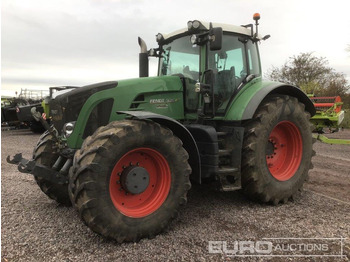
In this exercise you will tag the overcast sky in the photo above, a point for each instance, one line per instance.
(64, 42)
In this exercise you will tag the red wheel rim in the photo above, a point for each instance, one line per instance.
(284, 150)
(147, 202)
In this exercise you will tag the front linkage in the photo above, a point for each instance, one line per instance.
(57, 173)
(38, 170)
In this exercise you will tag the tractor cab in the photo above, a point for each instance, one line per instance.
(220, 57)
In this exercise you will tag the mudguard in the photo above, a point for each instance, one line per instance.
(249, 98)
(181, 132)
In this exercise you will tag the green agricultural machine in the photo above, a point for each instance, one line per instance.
(329, 115)
(125, 153)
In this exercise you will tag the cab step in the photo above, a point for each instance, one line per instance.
(221, 133)
(224, 152)
(227, 170)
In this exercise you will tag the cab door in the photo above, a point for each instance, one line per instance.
(230, 67)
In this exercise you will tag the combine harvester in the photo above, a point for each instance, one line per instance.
(329, 114)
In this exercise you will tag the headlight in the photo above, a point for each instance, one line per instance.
(196, 24)
(189, 25)
(159, 37)
(68, 128)
(193, 39)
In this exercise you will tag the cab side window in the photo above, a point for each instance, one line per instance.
(253, 56)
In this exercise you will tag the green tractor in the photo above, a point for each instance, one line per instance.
(125, 153)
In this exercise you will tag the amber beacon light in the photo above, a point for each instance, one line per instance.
(256, 16)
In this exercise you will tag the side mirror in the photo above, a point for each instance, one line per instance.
(215, 38)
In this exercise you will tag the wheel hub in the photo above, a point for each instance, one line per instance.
(270, 149)
(152, 178)
(134, 179)
(284, 150)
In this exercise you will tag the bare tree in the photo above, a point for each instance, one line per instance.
(314, 76)
(335, 84)
(305, 71)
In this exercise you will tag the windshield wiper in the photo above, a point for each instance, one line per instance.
(246, 80)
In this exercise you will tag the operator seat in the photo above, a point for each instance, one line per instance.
(226, 83)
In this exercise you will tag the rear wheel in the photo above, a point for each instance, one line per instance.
(45, 154)
(129, 179)
(277, 150)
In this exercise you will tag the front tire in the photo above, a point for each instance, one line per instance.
(129, 179)
(45, 154)
(277, 150)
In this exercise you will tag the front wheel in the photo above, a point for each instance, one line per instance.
(45, 154)
(129, 179)
(277, 150)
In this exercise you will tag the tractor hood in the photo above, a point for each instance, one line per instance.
(131, 94)
(134, 90)
(67, 106)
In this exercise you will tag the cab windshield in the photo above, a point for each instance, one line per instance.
(230, 65)
(180, 57)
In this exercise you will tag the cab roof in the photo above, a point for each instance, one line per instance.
(206, 26)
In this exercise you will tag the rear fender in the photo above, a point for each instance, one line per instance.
(248, 100)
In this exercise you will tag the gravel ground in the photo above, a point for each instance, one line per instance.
(331, 173)
(35, 228)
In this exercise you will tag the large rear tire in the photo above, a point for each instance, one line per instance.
(277, 150)
(46, 155)
(129, 179)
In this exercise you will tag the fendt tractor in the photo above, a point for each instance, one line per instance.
(124, 153)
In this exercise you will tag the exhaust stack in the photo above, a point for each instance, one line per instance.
(143, 59)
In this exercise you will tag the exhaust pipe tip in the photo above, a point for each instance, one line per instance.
(143, 59)
(142, 45)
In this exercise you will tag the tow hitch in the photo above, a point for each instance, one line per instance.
(30, 167)
(55, 174)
